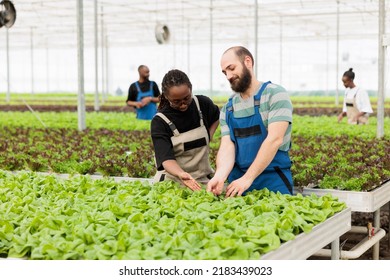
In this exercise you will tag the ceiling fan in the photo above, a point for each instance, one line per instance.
(162, 33)
(7, 14)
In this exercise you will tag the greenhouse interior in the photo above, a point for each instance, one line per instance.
(146, 130)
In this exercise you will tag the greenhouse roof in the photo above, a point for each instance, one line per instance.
(53, 24)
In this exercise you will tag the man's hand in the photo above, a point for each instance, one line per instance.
(146, 100)
(138, 105)
(189, 182)
(215, 185)
(237, 187)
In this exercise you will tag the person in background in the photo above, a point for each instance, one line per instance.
(357, 106)
(181, 132)
(255, 130)
(144, 95)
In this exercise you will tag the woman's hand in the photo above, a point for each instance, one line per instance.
(340, 117)
(189, 182)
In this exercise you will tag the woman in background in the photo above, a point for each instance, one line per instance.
(357, 106)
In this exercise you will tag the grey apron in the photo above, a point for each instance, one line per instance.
(191, 151)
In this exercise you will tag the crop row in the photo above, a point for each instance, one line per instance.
(342, 162)
(109, 152)
(301, 111)
(302, 125)
(66, 98)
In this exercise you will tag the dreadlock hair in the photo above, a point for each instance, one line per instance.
(173, 78)
(349, 74)
(241, 53)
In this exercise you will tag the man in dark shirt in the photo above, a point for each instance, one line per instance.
(143, 95)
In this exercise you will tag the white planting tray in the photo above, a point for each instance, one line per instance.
(358, 201)
(307, 244)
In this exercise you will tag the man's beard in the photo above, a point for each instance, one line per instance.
(241, 84)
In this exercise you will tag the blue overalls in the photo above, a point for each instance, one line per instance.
(147, 112)
(248, 133)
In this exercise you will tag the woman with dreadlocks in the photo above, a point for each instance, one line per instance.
(181, 132)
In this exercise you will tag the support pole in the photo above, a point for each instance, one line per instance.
(80, 58)
(102, 40)
(174, 52)
(381, 72)
(256, 35)
(281, 50)
(8, 98)
(188, 48)
(335, 249)
(337, 52)
(327, 62)
(47, 68)
(377, 224)
(211, 47)
(107, 80)
(96, 104)
(32, 60)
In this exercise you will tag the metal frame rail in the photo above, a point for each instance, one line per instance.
(367, 202)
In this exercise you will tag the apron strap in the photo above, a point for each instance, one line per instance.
(199, 111)
(172, 126)
(137, 86)
(260, 92)
(139, 89)
(284, 178)
(162, 177)
(230, 108)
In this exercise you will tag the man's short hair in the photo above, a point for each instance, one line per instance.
(140, 67)
(241, 52)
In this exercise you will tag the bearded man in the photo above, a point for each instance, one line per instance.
(255, 132)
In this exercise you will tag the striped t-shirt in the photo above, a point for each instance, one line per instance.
(275, 106)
